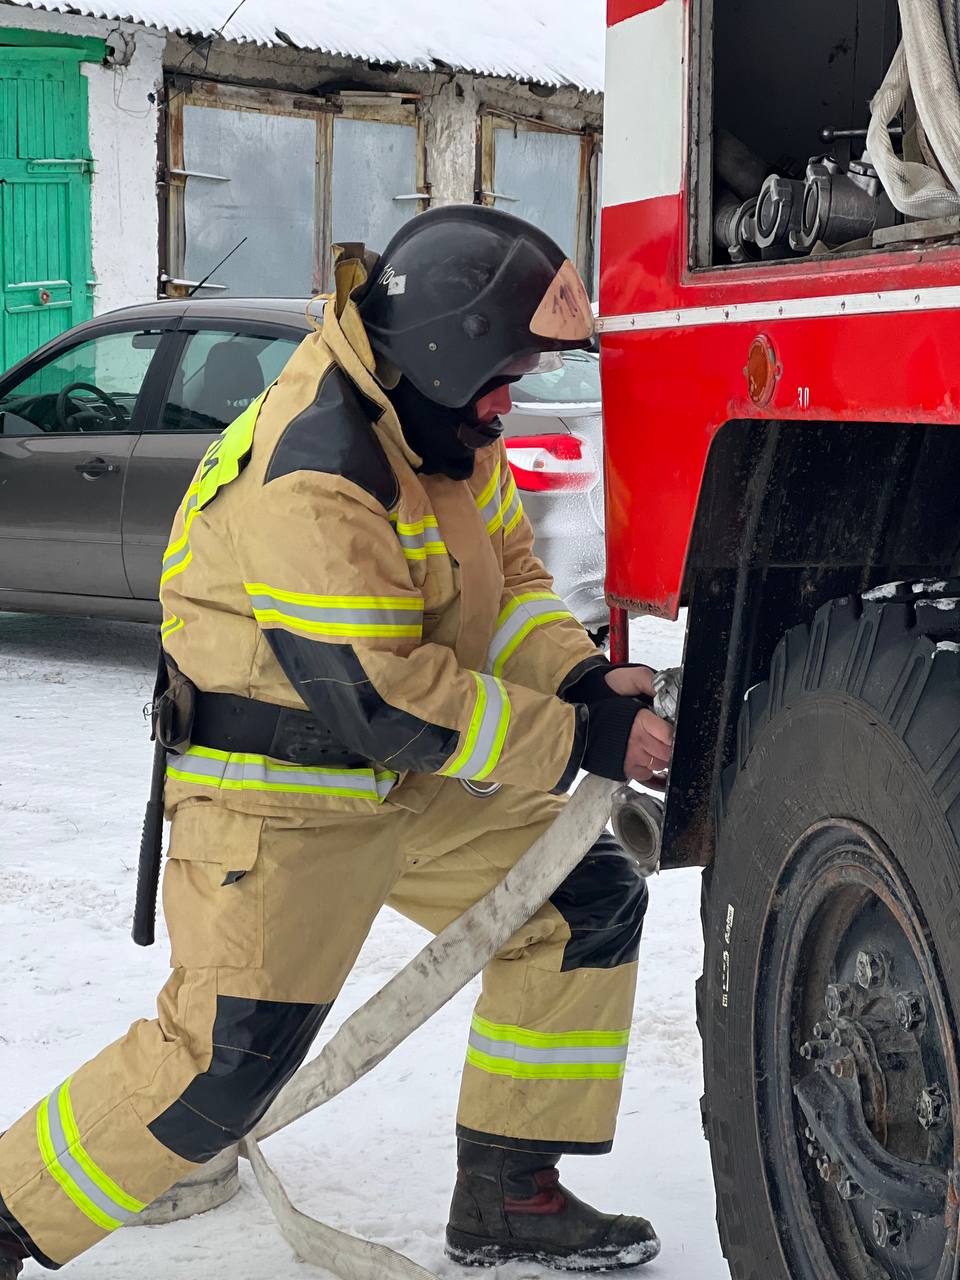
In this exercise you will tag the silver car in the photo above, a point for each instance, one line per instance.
(554, 440)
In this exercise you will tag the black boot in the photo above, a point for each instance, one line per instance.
(509, 1206)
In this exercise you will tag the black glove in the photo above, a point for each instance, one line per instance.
(608, 735)
(591, 686)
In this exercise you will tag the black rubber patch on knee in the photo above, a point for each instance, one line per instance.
(257, 1046)
(603, 901)
(9, 1225)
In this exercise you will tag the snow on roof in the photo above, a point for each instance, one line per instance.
(554, 42)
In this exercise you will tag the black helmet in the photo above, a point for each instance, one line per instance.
(465, 295)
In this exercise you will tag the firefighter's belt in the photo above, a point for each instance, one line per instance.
(228, 722)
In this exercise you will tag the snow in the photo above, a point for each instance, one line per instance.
(885, 592)
(74, 770)
(551, 41)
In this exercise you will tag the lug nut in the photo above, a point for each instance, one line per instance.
(871, 969)
(844, 1068)
(839, 1000)
(887, 1228)
(822, 1030)
(911, 1010)
(849, 1190)
(830, 1172)
(812, 1049)
(836, 1036)
(809, 1134)
(932, 1107)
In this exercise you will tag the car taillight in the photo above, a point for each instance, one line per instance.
(552, 462)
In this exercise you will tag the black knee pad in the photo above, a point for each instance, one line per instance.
(257, 1046)
(604, 902)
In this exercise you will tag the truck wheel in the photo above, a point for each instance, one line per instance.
(832, 969)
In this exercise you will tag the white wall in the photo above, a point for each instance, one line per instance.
(123, 125)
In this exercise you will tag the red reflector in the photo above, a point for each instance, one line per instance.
(552, 462)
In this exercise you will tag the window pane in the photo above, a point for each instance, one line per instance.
(542, 170)
(270, 198)
(372, 163)
(219, 375)
(578, 382)
(111, 368)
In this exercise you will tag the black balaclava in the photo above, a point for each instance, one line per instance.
(446, 439)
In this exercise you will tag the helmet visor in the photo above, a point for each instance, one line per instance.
(533, 362)
(565, 314)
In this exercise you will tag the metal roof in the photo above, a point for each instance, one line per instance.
(554, 42)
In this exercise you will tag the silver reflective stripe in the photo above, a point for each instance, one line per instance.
(483, 741)
(525, 1053)
(105, 1203)
(422, 542)
(202, 765)
(488, 502)
(525, 614)
(343, 614)
(513, 508)
(176, 558)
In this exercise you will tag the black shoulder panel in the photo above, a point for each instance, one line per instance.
(335, 435)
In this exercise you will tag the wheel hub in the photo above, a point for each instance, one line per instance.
(866, 1147)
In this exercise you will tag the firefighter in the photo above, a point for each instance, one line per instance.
(377, 697)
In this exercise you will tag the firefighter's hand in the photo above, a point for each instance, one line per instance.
(631, 682)
(649, 748)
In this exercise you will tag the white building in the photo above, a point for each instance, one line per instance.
(141, 142)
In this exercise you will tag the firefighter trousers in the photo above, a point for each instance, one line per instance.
(266, 916)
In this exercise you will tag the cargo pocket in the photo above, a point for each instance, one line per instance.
(213, 888)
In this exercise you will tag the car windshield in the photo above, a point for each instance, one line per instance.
(578, 382)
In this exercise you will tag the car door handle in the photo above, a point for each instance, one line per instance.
(94, 467)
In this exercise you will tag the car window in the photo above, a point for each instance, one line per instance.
(218, 375)
(92, 387)
(578, 382)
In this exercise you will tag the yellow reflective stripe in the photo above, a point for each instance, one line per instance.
(179, 554)
(418, 526)
(356, 616)
(363, 630)
(515, 518)
(490, 488)
(92, 1170)
(485, 735)
(500, 737)
(551, 1039)
(226, 771)
(60, 1175)
(473, 730)
(523, 614)
(170, 626)
(545, 1070)
(413, 603)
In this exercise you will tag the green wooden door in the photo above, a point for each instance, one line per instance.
(45, 168)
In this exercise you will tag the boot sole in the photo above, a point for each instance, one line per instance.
(475, 1251)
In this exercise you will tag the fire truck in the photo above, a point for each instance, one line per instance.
(781, 366)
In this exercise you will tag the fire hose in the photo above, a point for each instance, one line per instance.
(926, 67)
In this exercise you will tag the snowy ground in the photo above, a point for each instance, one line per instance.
(74, 768)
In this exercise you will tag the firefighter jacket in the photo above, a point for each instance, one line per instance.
(311, 566)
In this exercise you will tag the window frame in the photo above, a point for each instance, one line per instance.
(588, 187)
(183, 91)
(73, 339)
(176, 344)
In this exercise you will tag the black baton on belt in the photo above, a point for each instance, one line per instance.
(151, 854)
